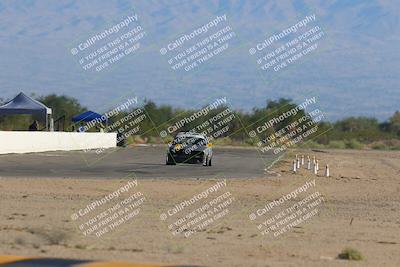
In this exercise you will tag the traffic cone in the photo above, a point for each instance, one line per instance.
(298, 163)
(294, 166)
(327, 171)
(308, 163)
(315, 169)
(317, 163)
(302, 160)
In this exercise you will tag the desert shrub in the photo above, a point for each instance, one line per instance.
(251, 141)
(354, 144)
(337, 144)
(310, 144)
(350, 254)
(379, 145)
(225, 141)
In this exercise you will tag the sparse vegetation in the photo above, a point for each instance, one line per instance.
(337, 144)
(350, 254)
(174, 249)
(80, 246)
(20, 241)
(348, 133)
(51, 237)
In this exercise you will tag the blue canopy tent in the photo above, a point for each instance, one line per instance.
(90, 117)
(23, 104)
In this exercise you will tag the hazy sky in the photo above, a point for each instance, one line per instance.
(354, 69)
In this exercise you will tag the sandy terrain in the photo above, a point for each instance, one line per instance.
(361, 211)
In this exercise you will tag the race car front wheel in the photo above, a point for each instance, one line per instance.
(207, 161)
(170, 160)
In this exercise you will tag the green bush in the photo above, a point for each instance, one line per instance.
(311, 144)
(379, 146)
(354, 144)
(224, 141)
(337, 144)
(350, 254)
(251, 141)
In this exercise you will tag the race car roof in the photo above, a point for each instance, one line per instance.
(190, 135)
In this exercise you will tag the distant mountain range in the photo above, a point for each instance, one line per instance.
(355, 70)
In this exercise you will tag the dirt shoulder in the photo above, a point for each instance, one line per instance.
(360, 210)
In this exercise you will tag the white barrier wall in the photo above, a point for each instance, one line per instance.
(25, 141)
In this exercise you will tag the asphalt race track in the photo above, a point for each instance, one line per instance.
(141, 161)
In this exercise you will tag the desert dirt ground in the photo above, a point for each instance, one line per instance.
(361, 210)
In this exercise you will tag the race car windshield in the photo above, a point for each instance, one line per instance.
(189, 141)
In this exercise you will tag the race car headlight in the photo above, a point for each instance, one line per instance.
(178, 147)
